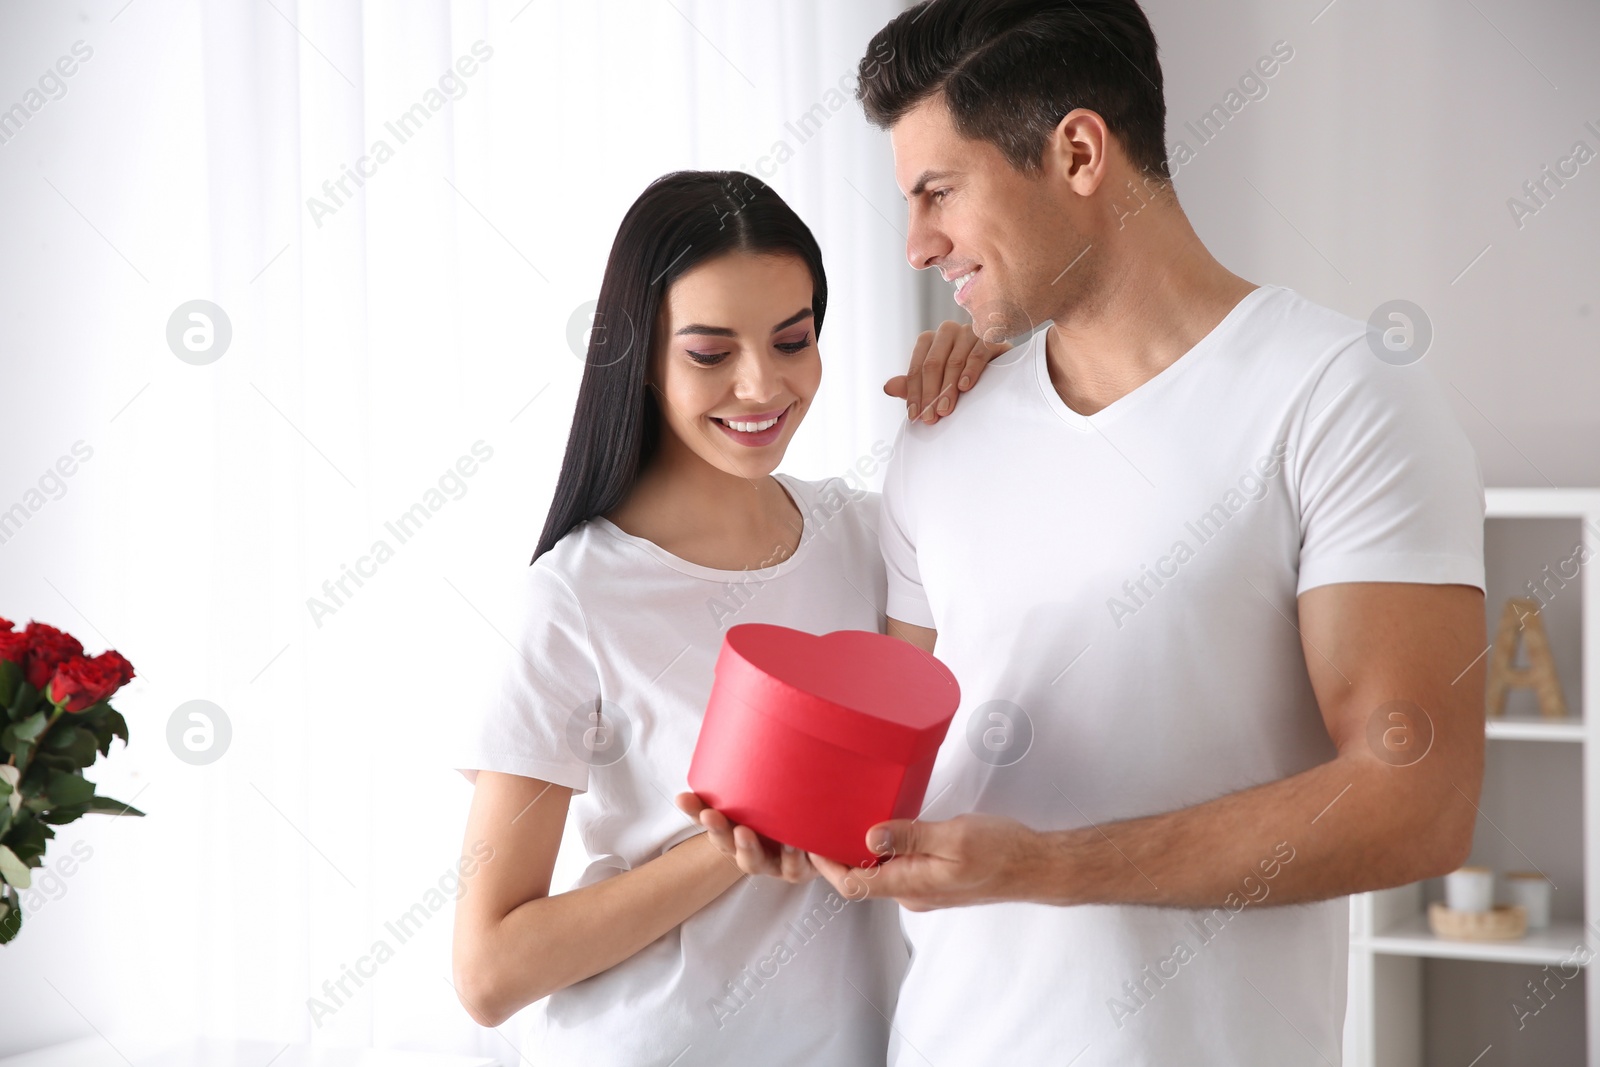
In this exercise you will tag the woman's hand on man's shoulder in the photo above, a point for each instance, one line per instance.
(945, 363)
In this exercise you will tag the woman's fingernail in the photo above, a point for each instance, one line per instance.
(965, 382)
(944, 405)
(911, 410)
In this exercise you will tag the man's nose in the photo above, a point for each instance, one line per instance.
(925, 243)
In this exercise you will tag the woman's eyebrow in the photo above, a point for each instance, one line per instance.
(803, 313)
(723, 331)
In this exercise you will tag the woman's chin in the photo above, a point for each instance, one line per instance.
(741, 460)
(752, 469)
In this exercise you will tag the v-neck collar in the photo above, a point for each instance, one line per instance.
(1159, 381)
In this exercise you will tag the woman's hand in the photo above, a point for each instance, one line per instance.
(752, 853)
(945, 362)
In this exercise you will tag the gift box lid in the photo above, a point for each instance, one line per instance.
(862, 691)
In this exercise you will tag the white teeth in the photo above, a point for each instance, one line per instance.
(751, 427)
(961, 282)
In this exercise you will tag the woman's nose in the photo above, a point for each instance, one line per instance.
(759, 378)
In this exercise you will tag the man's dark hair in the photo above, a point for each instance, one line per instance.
(1011, 69)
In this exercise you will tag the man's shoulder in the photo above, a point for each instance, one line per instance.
(995, 397)
(1295, 332)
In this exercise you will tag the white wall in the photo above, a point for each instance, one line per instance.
(1378, 165)
(1381, 161)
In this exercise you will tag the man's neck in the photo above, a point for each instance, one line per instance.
(1152, 303)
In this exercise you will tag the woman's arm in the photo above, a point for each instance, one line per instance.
(514, 943)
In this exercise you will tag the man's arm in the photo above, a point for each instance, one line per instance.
(1398, 673)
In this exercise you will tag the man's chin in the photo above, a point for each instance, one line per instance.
(1000, 321)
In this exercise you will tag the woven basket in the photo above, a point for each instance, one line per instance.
(1505, 921)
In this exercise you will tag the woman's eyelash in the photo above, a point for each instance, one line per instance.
(709, 359)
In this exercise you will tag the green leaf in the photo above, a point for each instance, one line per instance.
(11, 778)
(79, 752)
(13, 870)
(107, 725)
(34, 778)
(106, 806)
(31, 727)
(61, 815)
(10, 679)
(62, 738)
(22, 702)
(27, 837)
(67, 788)
(23, 750)
(10, 920)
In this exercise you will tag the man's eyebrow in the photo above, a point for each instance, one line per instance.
(723, 331)
(924, 178)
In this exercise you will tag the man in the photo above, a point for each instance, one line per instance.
(1208, 570)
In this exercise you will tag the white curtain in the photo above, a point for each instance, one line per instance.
(387, 337)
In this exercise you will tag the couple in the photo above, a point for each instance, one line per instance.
(1193, 551)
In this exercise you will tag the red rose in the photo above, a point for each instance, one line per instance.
(80, 683)
(7, 625)
(48, 648)
(14, 647)
(123, 668)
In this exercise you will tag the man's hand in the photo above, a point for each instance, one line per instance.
(970, 859)
(752, 853)
(945, 362)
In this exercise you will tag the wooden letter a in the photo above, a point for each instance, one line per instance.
(1521, 616)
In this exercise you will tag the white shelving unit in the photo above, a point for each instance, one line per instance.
(1417, 1000)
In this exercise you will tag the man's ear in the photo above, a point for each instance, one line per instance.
(1080, 149)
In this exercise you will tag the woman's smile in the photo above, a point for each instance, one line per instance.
(754, 431)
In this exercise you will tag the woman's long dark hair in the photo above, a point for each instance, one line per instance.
(682, 220)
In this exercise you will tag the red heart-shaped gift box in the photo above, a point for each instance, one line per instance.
(813, 739)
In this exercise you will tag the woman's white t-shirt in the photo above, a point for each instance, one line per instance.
(768, 972)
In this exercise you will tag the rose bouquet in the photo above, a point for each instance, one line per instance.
(54, 722)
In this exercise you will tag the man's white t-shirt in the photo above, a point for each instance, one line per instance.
(1116, 594)
(767, 973)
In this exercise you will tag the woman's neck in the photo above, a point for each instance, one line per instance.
(707, 516)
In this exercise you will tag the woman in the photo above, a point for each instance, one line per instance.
(668, 525)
